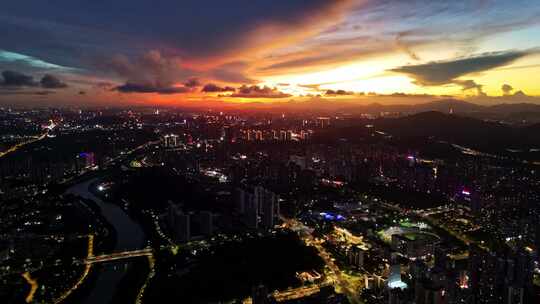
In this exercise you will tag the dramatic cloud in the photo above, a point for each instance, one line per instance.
(259, 92)
(405, 46)
(152, 68)
(338, 93)
(520, 94)
(147, 47)
(213, 88)
(313, 87)
(470, 85)
(192, 83)
(26, 92)
(444, 72)
(103, 85)
(52, 82)
(149, 88)
(16, 79)
(232, 72)
(507, 89)
(517, 97)
(186, 28)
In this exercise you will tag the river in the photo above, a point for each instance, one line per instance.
(129, 236)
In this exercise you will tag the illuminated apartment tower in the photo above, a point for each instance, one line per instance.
(288, 136)
(268, 206)
(259, 135)
(275, 135)
(282, 135)
(323, 122)
(305, 135)
(250, 135)
(171, 141)
(228, 134)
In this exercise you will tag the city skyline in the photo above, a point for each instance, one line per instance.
(213, 52)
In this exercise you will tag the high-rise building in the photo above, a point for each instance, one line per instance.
(250, 135)
(171, 141)
(289, 135)
(323, 122)
(259, 295)
(259, 135)
(514, 295)
(275, 135)
(228, 134)
(183, 226)
(500, 277)
(305, 135)
(259, 207)
(180, 223)
(283, 135)
(356, 256)
(396, 296)
(206, 222)
(268, 207)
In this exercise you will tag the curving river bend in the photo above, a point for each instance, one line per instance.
(129, 236)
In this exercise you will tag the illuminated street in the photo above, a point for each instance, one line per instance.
(341, 283)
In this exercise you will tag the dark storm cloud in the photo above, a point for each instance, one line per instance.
(149, 88)
(24, 92)
(151, 68)
(16, 79)
(213, 88)
(259, 92)
(59, 32)
(444, 72)
(52, 82)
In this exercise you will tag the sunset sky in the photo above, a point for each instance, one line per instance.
(166, 52)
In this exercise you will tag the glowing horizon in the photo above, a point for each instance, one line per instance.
(282, 51)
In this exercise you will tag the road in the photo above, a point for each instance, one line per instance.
(340, 282)
(33, 287)
(118, 256)
(20, 145)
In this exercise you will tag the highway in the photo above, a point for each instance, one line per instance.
(22, 144)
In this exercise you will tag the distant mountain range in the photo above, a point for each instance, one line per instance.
(455, 106)
(458, 106)
(458, 128)
(487, 136)
(523, 113)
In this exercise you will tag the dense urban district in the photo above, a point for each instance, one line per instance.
(145, 205)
